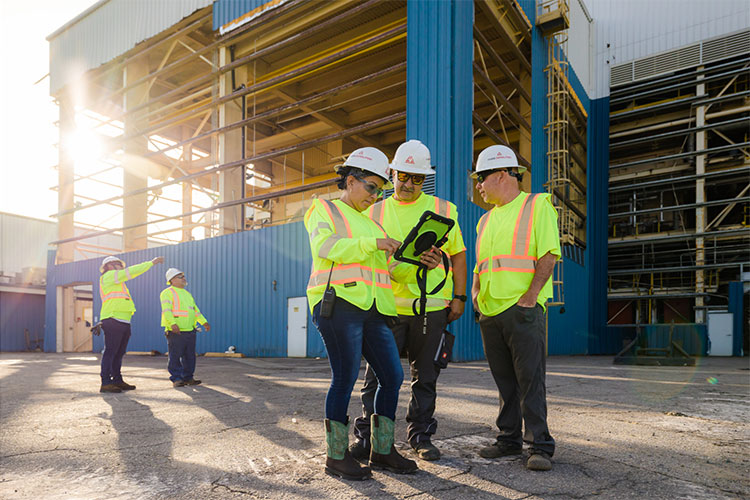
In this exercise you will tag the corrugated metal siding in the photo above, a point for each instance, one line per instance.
(625, 31)
(226, 11)
(122, 24)
(19, 311)
(439, 101)
(231, 278)
(600, 342)
(24, 242)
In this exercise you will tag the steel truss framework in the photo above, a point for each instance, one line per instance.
(679, 210)
(253, 120)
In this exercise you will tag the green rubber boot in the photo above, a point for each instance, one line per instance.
(339, 461)
(383, 454)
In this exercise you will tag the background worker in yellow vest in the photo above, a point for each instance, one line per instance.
(179, 315)
(116, 313)
(350, 256)
(517, 246)
(398, 215)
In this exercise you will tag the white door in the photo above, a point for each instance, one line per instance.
(296, 315)
(720, 333)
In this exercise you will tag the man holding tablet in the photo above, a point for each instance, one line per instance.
(398, 215)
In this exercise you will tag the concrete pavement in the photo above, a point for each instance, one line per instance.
(254, 430)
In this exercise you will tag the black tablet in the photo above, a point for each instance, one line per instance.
(431, 230)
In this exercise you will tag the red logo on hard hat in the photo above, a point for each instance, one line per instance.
(500, 155)
(360, 155)
(410, 160)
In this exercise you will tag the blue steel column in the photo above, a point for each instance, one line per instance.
(439, 102)
(736, 293)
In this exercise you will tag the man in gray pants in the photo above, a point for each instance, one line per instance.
(517, 247)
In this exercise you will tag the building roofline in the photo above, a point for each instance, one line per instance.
(76, 19)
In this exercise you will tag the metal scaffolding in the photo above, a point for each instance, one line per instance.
(679, 190)
(565, 132)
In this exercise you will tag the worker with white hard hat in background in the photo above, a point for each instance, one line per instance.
(351, 301)
(517, 246)
(117, 310)
(445, 300)
(179, 315)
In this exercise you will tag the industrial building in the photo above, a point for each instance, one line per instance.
(216, 123)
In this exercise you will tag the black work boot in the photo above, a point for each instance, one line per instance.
(360, 450)
(339, 462)
(383, 454)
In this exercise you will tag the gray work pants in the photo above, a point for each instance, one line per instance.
(514, 345)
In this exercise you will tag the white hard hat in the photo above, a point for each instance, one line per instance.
(495, 157)
(171, 273)
(109, 259)
(413, 157)
(371, 160)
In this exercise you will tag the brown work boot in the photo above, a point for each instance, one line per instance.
(383, 454)
(339, 462)
(109, 388)
(192, 381)
(427, 451)
(500, 449)
(178, 383)
(539, 460)
(124, 386)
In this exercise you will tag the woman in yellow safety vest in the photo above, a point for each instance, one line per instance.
(351, 301)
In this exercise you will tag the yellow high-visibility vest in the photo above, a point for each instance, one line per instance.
(116, 300)
(510, 240)
(398, 218)
(343, 243)
(178, 307)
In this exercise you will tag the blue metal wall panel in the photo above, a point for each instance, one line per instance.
(692, 337)
(232, 279)
(439, 100)
(20, 311)
(226, 11)
(600, 342)
(736, 292)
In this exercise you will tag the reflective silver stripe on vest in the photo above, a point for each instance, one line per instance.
(321, 227)
(513, 264)
(339, 223)
(442, 207)
(482, 225)
(348, 273)
(404, 302)
(523, 226)
(327, 245)
(378, 212)
(483, 266)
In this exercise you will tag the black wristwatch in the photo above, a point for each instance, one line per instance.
(462, 298)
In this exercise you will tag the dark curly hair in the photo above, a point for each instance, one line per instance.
(345, 172)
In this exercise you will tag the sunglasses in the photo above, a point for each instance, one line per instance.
(416, 179)
(370, 187)
(482, 176)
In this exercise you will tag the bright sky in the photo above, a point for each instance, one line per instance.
(27, 114)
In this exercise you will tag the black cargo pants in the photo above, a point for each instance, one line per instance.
(421, 350)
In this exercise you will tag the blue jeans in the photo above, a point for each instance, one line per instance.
(181, 355)
(349, 334)
(116, 336)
